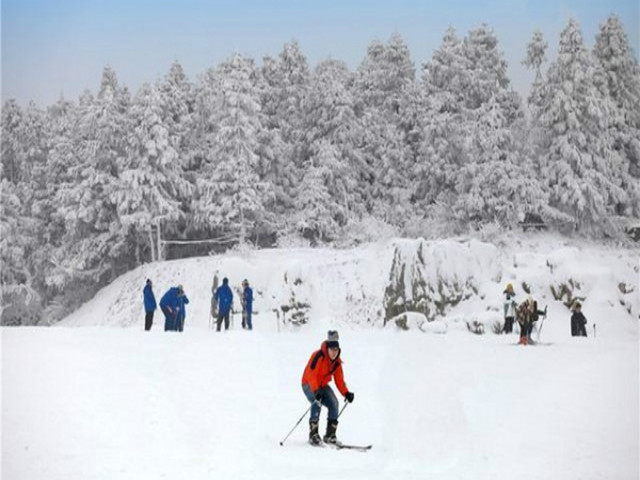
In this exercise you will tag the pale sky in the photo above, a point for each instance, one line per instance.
(54, 47)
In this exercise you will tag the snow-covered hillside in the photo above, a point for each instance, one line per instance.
(121, 403)
(454, 281)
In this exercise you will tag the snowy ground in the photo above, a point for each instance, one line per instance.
(119, 403)
(106, 403)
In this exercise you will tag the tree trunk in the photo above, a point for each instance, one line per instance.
(160, 252)
(243, 228)
(151, 244)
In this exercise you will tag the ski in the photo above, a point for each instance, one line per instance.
(359, 448)
(342, 446)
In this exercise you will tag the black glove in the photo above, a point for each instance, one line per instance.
(319, 395)
(349, 397)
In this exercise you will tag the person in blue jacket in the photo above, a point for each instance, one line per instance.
(247, 304)
(169, 305)
(224, 297)
(149, 305)
(182, 312)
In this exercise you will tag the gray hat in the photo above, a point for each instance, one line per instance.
(332, 339)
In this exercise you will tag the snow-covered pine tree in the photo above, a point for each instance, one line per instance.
(275, 167)
(384, 75)
(62, 119)
(494, 183)
(487, 68)
(24, 155)
(230, 195)
(333, 135)
(177, 104)
(578, 157)
(497, 183)
(151, 184)
(382, 89)
(622, 76)
(21, 303)
(532, 136)
(14, 152)
(469, 165)
(535, 57)
(441, 149)
(96, 245)
(292, 88)
(24, 141)
(321, 199)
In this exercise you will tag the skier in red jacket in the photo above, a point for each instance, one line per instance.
(325, 364)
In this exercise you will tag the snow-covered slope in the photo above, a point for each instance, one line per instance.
(351, 286)
(328, 280)
(113, 403)
(121, 403)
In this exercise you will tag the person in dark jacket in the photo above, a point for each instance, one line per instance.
(247, 304)
(224, 297)
(578, 321)
(323, 365)
(182, 312)
(149, 305)
(169, 304)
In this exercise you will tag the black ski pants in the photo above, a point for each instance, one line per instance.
(148, 320)
(223, 316)
(508, 325)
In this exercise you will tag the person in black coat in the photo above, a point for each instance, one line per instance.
(578, 321)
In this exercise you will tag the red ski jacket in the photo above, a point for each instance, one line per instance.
(320, 370)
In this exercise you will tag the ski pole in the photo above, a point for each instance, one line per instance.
(544, 317)
(342, 410)
(298, 423)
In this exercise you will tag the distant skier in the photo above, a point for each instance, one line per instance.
(149, 305)
(224, 298)
(578, 321)
(169, 304)
(182, 312)
(324, 365)
(527, 314)
(509, 308)
(247, 304)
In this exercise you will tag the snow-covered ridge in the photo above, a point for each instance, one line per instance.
(448, 280)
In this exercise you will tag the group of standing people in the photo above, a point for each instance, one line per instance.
(527, 313)
(173, 305)
(222, 303)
